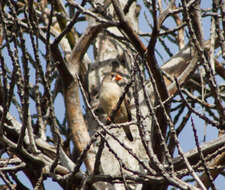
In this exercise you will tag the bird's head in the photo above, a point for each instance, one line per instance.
(112, 77)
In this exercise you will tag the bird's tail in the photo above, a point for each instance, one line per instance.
(128, 133)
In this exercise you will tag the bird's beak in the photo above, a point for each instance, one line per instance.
(118, 77)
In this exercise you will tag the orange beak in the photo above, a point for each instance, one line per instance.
(118, 77)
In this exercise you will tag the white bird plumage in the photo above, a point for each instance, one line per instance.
(110, 93)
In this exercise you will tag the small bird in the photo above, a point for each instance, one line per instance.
(110, 93)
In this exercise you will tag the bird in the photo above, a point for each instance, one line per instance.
(109, 95)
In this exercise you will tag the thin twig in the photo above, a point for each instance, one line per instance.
(202, 156)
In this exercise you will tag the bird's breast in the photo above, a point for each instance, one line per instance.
(109, 96)
(108, 102)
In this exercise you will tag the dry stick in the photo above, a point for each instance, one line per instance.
(83, 154)
(203, 89)
(212, 43)
(14, 59)
(126, 26)
(16, 168)
(8, 94)
(122, 175)
(47, 78)
(155, 73)
(142, 178)
(20, 86)
(49, 67)
(89, 13)
(71, 89)
(176, 182)
(202, 156)
(167, 49)
(208, 158)
(152, 65)
(219, 31)
(98, 158)
(62, 22)
(8, 183)
(25, 91)
(122, 125)
(11, 161)
(167, 118)
(205, 61)
(140, 47)
(171, 143)
(170, 177)
(193, 155)
(120, 160)
(171, 31)
(69, 26)
(55, 163)
(181, 152)
(39, 182)
(117, 179)
(215, 29)
(84, 183)
(141, 126)
(180, 35)
(48, 40)
(127, 6)
(180, 109)
(4, 103)
(197, 100)
(39, 74)
(213, 123)
(56, 135)
(223, 14)
(29, 128)
(153, 114)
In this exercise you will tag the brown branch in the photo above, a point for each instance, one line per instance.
(68, 74)
(219, 160)
(82, 45)
(58, 6)
(127, 6)
(193, 155)
(180, 36)
(157, 78)
(127, 28)
(195, 29)
(202, 158)
(150, 56)
(184, 63)
(7, 181)
(220, 69)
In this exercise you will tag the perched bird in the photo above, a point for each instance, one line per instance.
(110, 93)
